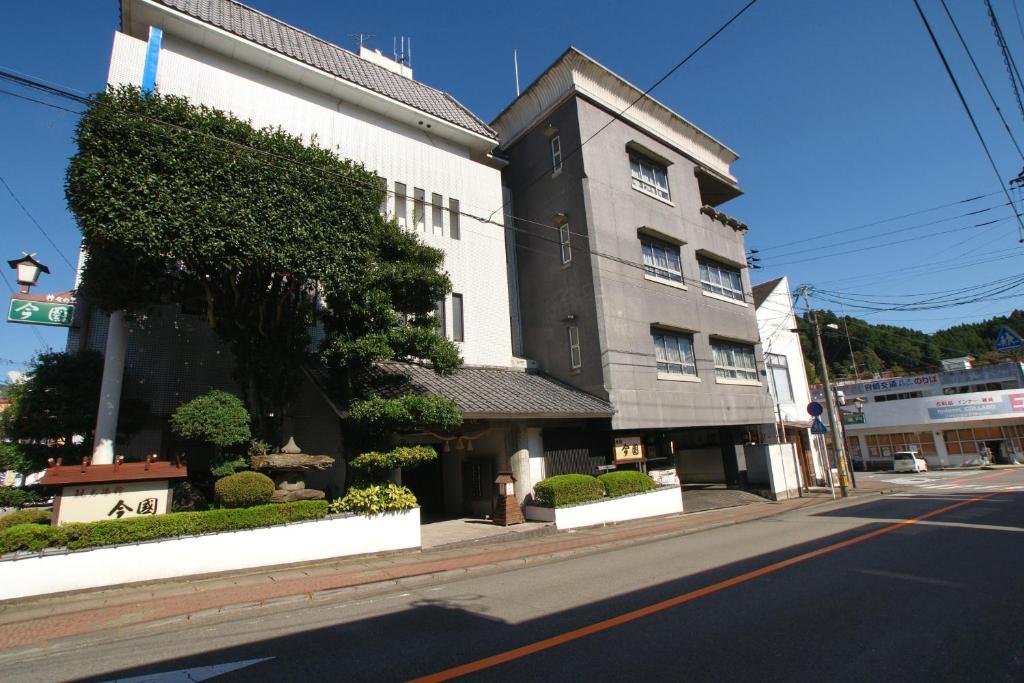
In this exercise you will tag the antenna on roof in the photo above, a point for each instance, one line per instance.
(515, 62)
(362, 37)
(401, 56)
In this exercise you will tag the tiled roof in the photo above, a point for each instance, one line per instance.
(761, 291)
(489, 392)
(253, 25)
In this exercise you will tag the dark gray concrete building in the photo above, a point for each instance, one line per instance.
(630, 284)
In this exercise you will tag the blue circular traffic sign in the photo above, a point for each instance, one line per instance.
(815, 409)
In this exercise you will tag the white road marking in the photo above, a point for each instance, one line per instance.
(199, 673)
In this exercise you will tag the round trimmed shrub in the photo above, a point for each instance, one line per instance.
(626, 482)
(567, 489)
(244, 489)
(30, 516)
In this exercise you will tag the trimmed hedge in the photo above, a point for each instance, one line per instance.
(11, 496)
(244, 489)
(626, 482)
(30, 516)
(136, 529)
(374, 499)
(567, 489)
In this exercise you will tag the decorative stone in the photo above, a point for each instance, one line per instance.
(292, 462)
(288, 496)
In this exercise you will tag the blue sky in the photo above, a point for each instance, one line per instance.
(841, 113)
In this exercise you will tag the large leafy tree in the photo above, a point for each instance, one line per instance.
(269, 235)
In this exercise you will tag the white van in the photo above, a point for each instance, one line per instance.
(908, 461)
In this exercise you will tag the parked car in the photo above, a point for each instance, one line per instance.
(908, 461)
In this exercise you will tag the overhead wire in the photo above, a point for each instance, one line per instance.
(35, 222)
(967, 110)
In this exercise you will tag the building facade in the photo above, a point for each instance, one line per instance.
(952, 418)
(434, 157)
(787, 376)
(631, 285)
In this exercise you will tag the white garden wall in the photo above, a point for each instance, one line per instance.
(300, 542)
(663, 501)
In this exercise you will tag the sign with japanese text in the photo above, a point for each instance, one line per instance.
(966, 406)
(628, 449)
(897, 383)
(853, 418)
(57, 309)
(116, 500)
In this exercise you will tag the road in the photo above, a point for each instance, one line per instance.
(925, 584)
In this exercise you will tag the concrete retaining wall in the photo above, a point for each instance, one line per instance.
(663, 501)
(115, 565)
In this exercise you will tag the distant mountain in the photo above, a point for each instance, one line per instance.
(881, 348)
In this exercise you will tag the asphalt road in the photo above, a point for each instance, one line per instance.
(840, 592)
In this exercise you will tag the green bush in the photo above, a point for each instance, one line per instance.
(403, 456)
(33, 537)
(30, 516)
(11, 497)
(243, 489)
(567, 489)
(216, 417)
(136, 529)
(373, 499)
(625, 482)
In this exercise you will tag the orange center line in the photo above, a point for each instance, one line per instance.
(604, 625)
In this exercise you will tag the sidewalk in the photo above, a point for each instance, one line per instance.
(40, 620)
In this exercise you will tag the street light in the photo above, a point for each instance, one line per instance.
(28, 271)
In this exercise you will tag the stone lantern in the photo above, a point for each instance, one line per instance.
(506, 508)
(289, 468)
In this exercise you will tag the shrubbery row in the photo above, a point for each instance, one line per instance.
(570, 489)
(36, 537)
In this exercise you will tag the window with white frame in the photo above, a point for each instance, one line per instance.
(661, 259)
(734, 361)
(401, 212)
(563, 239)
(453, 219)
(458, 329)
(437, 213)
(575, 359)
(649, 177)
(419, 209)
(778, 370)
(718, 278)
(556, 154)
(674, 353)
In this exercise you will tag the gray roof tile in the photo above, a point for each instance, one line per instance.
(262, 29)
(483, 392)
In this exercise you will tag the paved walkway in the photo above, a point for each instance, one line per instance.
(33, 622)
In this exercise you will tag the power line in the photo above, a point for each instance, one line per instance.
(1011, 65)
(983, 81)
(39, 337)
(35, 222)
(967, 109)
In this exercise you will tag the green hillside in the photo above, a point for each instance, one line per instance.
(877, 348)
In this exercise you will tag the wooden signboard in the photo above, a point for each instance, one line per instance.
(629, 449)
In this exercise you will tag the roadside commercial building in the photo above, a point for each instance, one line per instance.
(631, 284)
(787, 376)
(434, 157)
(952, 418)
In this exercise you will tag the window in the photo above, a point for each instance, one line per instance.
(437, 213)
(649, 177)
(903, 395)
(674, 354)
(419, 209)
(720, 279)
(556, 155)
(563, 239)
(453, 219)
(661, 259)
(442, 323)
(458, 333)
(575, 359)
(734, 361)
(401, 213)
(778, 370)
(382, 186)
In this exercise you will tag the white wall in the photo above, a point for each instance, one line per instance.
(476, 262)
(983, 408)
(662, 501)
(178, 557)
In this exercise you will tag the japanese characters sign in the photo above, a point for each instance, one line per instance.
(628, 449)
(115, 500)
(967, 405)
(42, 309)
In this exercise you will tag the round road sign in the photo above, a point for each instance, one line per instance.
(814, 409)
